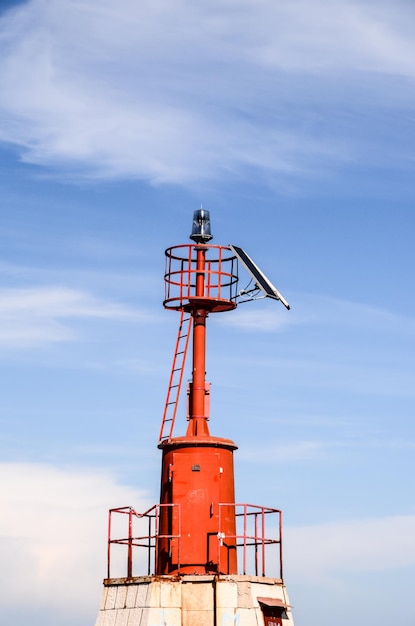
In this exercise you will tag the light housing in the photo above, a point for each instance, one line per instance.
(201, 226)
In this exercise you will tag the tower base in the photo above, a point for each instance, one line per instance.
(189, 600)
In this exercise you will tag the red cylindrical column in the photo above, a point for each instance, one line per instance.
(197, 414)
(197, 475)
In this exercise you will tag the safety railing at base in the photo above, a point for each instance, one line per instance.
(137, 524)
(258, 553)
(258, 539)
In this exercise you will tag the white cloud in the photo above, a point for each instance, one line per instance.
(344, 346)
(317, 310)
(53, 531)
(282, 451)
(341, 35)
(322, 309)
(262, 320)
(186, 92)
(274, 452)
(33, 317)
(325, 551)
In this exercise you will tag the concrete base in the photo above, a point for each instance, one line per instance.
(189, 601)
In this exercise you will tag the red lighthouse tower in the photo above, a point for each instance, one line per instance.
(197, 469)
(210, 560)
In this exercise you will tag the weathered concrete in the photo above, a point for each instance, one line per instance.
(188, 601)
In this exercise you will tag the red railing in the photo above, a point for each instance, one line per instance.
(220, 277)
(254, 547)
(258, 553)
(136, 522)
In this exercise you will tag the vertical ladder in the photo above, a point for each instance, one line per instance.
(176, 377)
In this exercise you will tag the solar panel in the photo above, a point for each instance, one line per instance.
(261, 281)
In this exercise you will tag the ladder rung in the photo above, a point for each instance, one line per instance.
(176, 375)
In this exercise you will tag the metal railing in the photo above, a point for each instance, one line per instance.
(257, 553)
(134, 537)
(258, 539)
(220, 277)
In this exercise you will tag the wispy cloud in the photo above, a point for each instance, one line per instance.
(375, 544)
(257, 320)
(338, 345)
(276, 452)
(190, 93)
(359, 36)
(320, 310)
(285, 451)
(53, 526)
(33, 317)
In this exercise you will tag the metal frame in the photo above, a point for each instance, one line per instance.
(252, 543)
(182, 273)
(131, 541)
(253, 536)
(261, 281)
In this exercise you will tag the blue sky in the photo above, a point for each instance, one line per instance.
(293, 123)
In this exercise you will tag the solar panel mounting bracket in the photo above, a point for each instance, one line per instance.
(261, 281)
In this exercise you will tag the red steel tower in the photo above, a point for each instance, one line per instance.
(197, 469)
(200, 543)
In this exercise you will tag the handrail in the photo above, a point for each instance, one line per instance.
(180, 277)
(247, 540)
(253, 543)
(131, 541)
